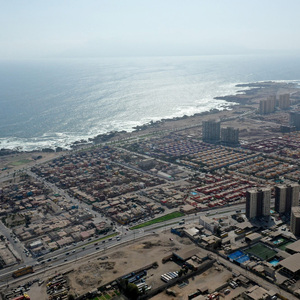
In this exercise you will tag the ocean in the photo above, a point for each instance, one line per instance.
(55, 102)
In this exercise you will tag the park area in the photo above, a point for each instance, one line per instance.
(164, 218)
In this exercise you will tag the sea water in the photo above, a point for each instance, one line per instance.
(54, 102)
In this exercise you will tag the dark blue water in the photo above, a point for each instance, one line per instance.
(56, 102)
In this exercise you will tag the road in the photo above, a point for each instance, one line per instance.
(264, 283)
(76, 251)
(96, 216)
(87, 248)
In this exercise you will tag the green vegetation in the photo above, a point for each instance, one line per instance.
(283, 246)
(261, 251)
(108, 295)
(160, 226)
(173, 215)
(20, 162)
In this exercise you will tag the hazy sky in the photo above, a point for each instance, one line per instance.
(89, 28)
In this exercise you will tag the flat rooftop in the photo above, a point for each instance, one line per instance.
(291, 263)
(187, 253)
(295, 247)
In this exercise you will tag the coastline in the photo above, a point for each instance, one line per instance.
(244, 100)
(248, 98)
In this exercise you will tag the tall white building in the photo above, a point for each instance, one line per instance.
(295, 220)
(286, 196)
(230, 136)
(258, 202)
(211, 130)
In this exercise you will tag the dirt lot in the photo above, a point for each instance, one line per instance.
(211, 279)
(18, 161)
(97, 270)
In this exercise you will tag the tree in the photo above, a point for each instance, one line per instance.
(27, 220)
(129, 289)
(180, 273)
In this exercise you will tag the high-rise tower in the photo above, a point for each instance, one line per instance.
(258, 202)
(286, 196)
(211, 131)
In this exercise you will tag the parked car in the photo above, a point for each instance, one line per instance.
(227, 291)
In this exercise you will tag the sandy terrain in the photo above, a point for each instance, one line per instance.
(211, 279)
(18, 161)
(103, 267)
(96, 272)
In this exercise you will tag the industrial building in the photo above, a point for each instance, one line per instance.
(258, 202)
(286, 196)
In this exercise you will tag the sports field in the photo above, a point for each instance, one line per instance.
(261, 251)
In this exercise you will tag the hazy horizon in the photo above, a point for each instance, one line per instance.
(87, 29)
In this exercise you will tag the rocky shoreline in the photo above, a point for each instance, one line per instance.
(249, 97)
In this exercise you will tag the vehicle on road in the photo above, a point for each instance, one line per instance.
(41, 282)
(23, 271)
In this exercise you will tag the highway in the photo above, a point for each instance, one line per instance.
(76, 252)
(83, 249)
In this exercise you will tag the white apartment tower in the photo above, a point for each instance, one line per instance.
(286, 196)
(258, 202)
(295, 220)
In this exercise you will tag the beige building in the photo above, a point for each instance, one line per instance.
(267, 106)
(230, 136)
(293, 248)
(286, 196)
(295, 220)
(284, 101)
(258, 202)
(256, 292)
(211, 131)
(295, 119)
(290, 265)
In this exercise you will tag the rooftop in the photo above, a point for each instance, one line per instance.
(257, 292)
(185, 254)
(291, 263)
(253, 236)
(295, 247)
